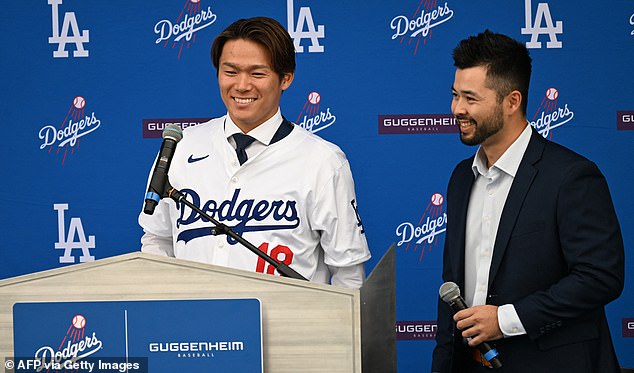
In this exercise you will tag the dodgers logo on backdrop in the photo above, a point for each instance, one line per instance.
(419, 26)
(74, 346)
(182, 32)
(550, 114)
(305, 28)
(535, 28)
(425, 232)
(67, 136)
(632, 23)
(312, 117)
(62, 37)
(66, 240)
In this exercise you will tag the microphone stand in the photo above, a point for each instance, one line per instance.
(220, 228)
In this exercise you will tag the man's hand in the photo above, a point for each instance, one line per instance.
(479, 324)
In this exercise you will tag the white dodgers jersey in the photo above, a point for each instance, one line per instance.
(294, 200)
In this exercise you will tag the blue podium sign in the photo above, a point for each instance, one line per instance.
(220, 335)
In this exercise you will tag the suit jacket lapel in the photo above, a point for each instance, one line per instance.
(523, 179)
(464, 184)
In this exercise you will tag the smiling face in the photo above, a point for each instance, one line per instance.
(476, 107)
(250, 88)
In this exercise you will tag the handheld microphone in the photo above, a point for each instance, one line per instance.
(172, 134)
(450, 293)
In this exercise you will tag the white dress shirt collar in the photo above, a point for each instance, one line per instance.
(263, 133)
(510, 160)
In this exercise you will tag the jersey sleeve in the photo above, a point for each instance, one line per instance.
(335, 215)
(348, 277)
(153, 244)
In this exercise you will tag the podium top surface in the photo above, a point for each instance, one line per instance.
(152, 264)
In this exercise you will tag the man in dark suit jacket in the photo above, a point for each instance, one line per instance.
(532, 235)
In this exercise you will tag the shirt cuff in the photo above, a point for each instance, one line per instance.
(348, 277)
(510, 323)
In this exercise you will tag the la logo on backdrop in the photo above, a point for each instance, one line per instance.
(418, 27)
(62, 36)
(535, 26)
(304, 28)
(181, 33)
(73, 239)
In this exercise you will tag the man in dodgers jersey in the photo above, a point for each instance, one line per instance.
(293, 196)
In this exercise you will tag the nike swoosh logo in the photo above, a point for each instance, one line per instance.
(191, 158)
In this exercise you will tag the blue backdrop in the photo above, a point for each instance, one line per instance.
(88, 85)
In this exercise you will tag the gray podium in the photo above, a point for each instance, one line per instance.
(306, 327)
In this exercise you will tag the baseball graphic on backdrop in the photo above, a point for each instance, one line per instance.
(437, 199)
(314, 98)
(552, 93)
(79, 321)
(79, 102)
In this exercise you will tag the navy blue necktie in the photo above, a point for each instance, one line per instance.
(242, 141)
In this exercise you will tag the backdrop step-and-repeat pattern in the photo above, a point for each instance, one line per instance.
(88, 86)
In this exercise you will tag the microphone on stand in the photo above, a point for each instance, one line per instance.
(172, 134)
(450, 293)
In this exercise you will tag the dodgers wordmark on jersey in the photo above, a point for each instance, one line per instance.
(294, 200)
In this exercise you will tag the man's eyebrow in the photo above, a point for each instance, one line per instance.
(241, 67)
(467, 92)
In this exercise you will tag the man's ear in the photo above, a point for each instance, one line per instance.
(513, 101)
(287, 79)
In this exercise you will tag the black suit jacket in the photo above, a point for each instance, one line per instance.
(558, 258)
